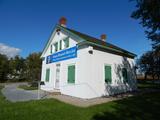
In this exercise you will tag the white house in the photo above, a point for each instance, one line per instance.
(82, 66)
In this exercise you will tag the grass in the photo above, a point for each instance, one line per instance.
(148, 85)
(143, 107)
(27, 87)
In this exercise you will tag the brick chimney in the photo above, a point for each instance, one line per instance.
(63, 21)
(103, 37)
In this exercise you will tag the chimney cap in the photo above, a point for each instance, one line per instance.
(63, 21)
(103, 37)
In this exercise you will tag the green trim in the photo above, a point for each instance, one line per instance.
(48, 41)
(81, 38)
(53, 33)
(71, 33)
(105, 47)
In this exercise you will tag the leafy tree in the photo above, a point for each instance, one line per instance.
(149, 64)
(148, 12)
(33, 63)
(17, 68)
(4, 68)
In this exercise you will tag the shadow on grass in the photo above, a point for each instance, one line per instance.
(144, 107)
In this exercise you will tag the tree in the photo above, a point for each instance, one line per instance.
(4, 68)
(148, 12)
(17, 68)
(149, 64)
(33, 63)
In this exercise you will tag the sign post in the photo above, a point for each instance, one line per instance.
(39, 86)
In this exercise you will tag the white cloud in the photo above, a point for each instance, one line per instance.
(8, 50)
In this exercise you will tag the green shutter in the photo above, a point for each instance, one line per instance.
(124, 74)
(51, 49)
(47, 75)
(56, 47)
(71, 74)
(66, 42)
(108, 75)
(60, 44)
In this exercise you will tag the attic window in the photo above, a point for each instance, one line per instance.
(60, 45)
(55, 46)
(66, 42)
(51, 49)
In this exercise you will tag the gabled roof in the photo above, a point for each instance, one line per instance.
(98, 41)
(86, 39)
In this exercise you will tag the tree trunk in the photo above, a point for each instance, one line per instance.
(145, 77)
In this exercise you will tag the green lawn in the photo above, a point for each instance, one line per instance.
(148, 86)
(144, 107)
(26, 87)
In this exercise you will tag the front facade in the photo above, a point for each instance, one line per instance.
(75, 65)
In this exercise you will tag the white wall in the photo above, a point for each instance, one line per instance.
(89, 81)
(49, 86)
(99, 59)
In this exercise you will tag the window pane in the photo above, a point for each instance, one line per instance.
(71, 74)
(108, 76)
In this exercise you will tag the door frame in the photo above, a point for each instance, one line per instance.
(57, 81)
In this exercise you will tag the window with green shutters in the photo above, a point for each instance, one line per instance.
(60, 45)
(108, 74)
(47, 75)
(51, 49)
(124, 74)
(66, 42)
(71, 74)
(56, 46)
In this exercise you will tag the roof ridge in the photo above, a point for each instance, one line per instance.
(99, 40)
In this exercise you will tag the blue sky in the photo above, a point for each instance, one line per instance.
(27, 24)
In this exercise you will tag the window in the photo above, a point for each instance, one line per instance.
(108, 74)
(60, 45)
(47, 75)
(124, 74)
(51, 49)
(66, 42)
(71, 74)
(56, 47)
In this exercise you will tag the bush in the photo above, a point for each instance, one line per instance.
(34, 84)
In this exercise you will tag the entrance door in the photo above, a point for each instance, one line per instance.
(57, 76)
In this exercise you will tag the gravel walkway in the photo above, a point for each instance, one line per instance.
(14, 94)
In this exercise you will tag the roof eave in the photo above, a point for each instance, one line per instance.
(105, 47)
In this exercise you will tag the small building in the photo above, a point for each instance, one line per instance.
(82, 66)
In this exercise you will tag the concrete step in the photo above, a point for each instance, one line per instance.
(54, 92)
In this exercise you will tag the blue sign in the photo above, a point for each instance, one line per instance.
(62, 55)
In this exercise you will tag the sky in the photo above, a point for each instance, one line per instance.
(26, 25)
